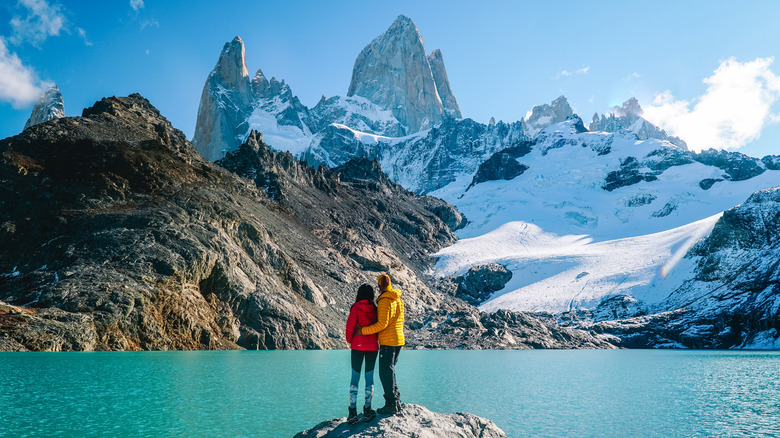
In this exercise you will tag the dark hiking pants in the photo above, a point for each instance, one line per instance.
(388, 357)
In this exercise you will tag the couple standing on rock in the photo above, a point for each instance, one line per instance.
(372, 328)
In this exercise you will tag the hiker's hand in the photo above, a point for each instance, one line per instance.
(358, 331)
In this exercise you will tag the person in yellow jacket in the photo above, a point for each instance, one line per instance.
(390, 329)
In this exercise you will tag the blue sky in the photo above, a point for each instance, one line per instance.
(702, 70)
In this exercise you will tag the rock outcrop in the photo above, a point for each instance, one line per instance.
(48, 107)
(394, 72)
(413, 421)
(479, 283)
(503, 164)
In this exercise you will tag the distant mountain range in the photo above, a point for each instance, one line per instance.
(615, 229)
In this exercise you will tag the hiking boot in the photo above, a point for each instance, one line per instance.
(368, 413)
(390, 408)
(352, 418)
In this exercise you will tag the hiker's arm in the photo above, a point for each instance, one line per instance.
(383, 314)
(351, 324)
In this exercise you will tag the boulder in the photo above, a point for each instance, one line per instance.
(413, 421)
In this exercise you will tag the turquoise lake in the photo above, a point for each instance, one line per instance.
(279, 393)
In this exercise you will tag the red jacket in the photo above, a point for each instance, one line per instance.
(363, 313)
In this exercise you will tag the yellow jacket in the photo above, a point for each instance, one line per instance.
(390, 313)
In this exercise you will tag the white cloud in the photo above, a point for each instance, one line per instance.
(566, 73)
(137, 4)
(18, 83)
(42, 20)
(731, 113)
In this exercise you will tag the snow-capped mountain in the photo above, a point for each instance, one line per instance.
(419, 137)
(723, 293)
(421, 162)
(629, 117)
(49, 106)
(379, 100)
(580, 217)
(732, 291)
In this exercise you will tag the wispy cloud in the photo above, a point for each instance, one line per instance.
(732, 112)
(137, 4)
(83, 35)
(149, 23)
(632, 76)
(566, 73)
(18, 83)
(37, 21)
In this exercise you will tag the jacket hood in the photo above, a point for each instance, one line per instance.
(392, 294)
(365, 305)
(384, 283)
(387, 288)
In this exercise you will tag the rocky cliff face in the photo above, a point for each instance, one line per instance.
(629, 117)
(451, 107)
(394, 72)
(224, 104)
(413, 421)
(48, 107)
(128, 239)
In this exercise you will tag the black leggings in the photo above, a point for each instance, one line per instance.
(357, 364)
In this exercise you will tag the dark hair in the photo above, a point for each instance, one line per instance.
(365, 292)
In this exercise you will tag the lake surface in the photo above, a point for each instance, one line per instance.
(279, 393)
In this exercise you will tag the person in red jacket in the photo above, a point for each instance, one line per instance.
(364, 347)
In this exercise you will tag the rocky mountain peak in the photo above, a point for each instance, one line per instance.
(561, 104)
(49, 106)
(225, 103)
(546, 115)
(231, 67)
(630, 107)
(394, 73)
(629, 117)
(259, 84)
(443, 84)
(404, 24)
